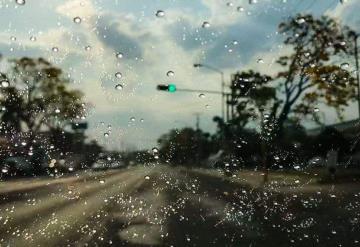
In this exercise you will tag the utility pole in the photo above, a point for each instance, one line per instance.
(223, 94)
(197, 125)
(198, 138)
(357, 68)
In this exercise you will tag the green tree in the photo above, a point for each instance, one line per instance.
(186, 146)
(308, 77)
(36, 95)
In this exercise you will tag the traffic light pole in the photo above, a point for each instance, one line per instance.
(356, 36)
(172, 89)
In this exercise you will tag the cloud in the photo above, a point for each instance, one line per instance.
(110, 34)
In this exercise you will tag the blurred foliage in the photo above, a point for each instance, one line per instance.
(308, 79)
(36, 95)
(185, 146)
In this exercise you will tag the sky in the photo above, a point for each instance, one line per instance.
(155, 37)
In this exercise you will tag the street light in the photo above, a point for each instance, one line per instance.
(199, 65)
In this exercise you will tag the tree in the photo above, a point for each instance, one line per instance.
(308, 76)
(186, 146)
(36, 95)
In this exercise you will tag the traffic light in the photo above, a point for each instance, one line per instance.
(170, 88)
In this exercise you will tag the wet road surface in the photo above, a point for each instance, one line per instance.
(161, 206)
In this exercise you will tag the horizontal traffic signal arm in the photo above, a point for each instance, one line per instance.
(172, 88)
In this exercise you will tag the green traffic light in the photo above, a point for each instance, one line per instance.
(172, 88)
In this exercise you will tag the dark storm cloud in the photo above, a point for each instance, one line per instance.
(110, 35)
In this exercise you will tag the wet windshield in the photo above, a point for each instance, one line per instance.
(179, 123)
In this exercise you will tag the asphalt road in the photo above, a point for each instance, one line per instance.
(161, 206)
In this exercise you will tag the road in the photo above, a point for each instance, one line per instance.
(162, 206)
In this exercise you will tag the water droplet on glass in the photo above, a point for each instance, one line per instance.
(33, 38)
(344, 65)
(4, 170)
(142, 120)
(119, 87)
(253, 1)
(119, 55)
(201, 95)
(206, 24)
(106, 134)
(155, 150)
(300, 20)
(240, 9)
(77, 20)
(235, 42)
(87, 48)
(57, 110)
(260, 60)
(160, 13)
(170, 73)
(5, 83)
(132, 119)
(13, 38)
(229, 4)
(147, 177)
(118, 75)
(343, 1)
(20, 2)
(102, 181)
(316, 109)
(55, 49)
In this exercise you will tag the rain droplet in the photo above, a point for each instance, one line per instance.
(155, 150)
(5, 83)
(142, 120)
(55, 49)
(77, 20)
(118, 75)
(57, 110)
(205, 24)
(147, 177)
(13, 38)
(201, 95)
(229, 4)
(170, 73)
(132, 119)
(260, 60)
(160, 13)
(102, 181)
(4, 170)
(33, 38)
(300, 20)
(344, 65)
(20, 2)
(235, 42)
(119, 87)
(343, 1)
(316, 109)
(87, 48)
(119, 55)
(106, 134)
(253, 1)
(240, 9)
